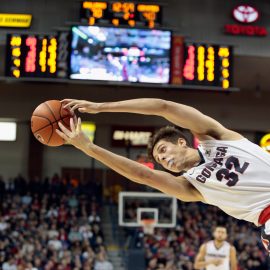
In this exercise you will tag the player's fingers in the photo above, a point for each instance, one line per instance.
(62, 135)
(75, 120)
(79, 106)
(66, 100)
(72, 126)
(64, 129)
(69, 108)
(82, 110)
(79, 125)
(71, 103)
(74, 107)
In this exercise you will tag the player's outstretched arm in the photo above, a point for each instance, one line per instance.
(178, 114)
(178, 187)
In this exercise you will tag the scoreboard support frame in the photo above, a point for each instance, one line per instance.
(164, 87)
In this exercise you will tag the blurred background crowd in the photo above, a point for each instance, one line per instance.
(50, 225)
(56, 224)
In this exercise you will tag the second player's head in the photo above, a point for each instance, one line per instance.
(220, 233)
(169, 147)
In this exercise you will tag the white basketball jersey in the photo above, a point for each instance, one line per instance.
(234, 177)
(222, 253)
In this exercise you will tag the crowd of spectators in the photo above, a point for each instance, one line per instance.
(175, 249)
(51, 225)
(55, 224)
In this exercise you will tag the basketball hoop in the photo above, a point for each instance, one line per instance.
(148, 225)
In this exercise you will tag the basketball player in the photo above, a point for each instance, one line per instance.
(227, 171)
(217, 254)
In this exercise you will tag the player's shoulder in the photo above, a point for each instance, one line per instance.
(225, 135)
(229, 245)
(210, 242)
(207, 245)
(203, 247)
(230, 135)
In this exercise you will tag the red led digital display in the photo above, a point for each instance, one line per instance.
(206, 64)
(31, 56)
(189, 67)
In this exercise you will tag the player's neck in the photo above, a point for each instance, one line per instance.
(218, 244)
(193, 158)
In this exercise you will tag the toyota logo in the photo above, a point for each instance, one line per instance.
(245, 14)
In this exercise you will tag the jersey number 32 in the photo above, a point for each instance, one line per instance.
(232, 171)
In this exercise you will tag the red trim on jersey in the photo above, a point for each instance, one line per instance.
(265, 243)
(265, 215)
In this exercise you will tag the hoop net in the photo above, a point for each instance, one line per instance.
(148, 225)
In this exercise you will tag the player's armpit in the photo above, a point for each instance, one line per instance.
(177, 187)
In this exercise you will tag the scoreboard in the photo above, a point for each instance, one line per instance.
(31, 55)
(209, 65)
(121, 13)
(48, 56)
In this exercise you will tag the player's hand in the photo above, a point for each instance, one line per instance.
(82, 106)
(74, 136)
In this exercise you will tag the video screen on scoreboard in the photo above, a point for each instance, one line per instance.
(120, 54)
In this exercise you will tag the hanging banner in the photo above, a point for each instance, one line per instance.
(177, 61)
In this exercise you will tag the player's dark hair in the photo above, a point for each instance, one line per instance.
(168, 134)
(220, 226)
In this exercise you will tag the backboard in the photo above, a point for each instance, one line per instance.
(136, 206)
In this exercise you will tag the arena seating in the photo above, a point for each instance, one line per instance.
(175, 249)
(50, 225)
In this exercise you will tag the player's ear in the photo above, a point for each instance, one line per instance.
(182, 142)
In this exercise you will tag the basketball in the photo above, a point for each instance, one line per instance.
(44, 122)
